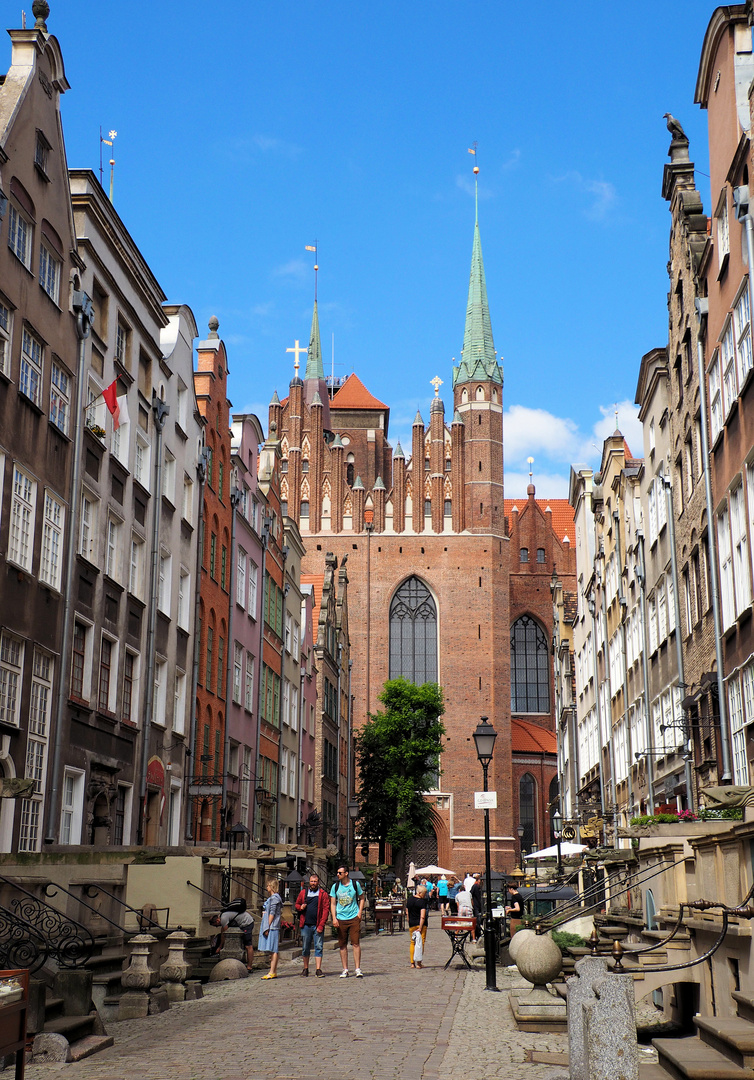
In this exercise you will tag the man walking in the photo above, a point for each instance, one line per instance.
(346, 907)
(313, 907)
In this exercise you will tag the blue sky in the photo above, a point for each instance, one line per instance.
(247, 131)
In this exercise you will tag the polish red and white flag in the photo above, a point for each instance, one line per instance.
(118, 406)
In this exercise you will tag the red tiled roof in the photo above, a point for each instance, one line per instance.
(562, 514)
(354, 395)
(532, 738)
(317, 581)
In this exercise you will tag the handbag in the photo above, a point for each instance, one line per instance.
(416, 937)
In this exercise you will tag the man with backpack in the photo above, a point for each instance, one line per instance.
(236, 915)
(346, 907)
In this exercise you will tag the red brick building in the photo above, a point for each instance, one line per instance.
(439, 587)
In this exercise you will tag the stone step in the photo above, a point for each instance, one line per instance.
(691, 1059)
(90, 1044)
(53, 1006)
(73, 1027)
(732, 1036)
(652, 1071)
(112, 960)
(744, 1004)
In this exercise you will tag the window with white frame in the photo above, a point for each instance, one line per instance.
(652, 512)
(6, 330)
(22, 514)
(652, 619)
(122, 815)
(241, 578)
(182, 406)
(296, 640)
(738, 535)
(723, 234)
(141, 461)
(29, 837)
(123, 344)
(160, 692)
(662, 503)
(292, 771)
(136, 567)
(179, 705)
(60, 393)
(715, 397)
(687, 600)
(168, 477)
(88, 529)
(174, 814)
(130, 695)
(41, 694)
(72, 806)
(747, 687)
(662, 613)
(728, 362)
(294, 707)
(187, 507)
(286, 702)
(253, 576)
(50, 565)
(288, 631)
(738, 732)
(49, 272)
(32, 364)
(108, 675)
(670, 592)
(112, 548)
(652, 440)
(283, 771)
(726, 568)
(237, 672)
(249, 684)
(20, 235)
(81, 660)
(743, 333)
(166, 564)
(11, 667)
(184, 598)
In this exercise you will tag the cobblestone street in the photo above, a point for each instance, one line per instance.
(394, 1023)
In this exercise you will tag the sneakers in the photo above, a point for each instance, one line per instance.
(344, 974)
(305, 973)
(359, 973)
(319, 973)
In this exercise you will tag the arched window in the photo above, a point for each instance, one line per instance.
(530, 667)
(413, 633)
(349, 469)
(527, 791)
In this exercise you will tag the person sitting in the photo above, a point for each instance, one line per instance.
(514, 908)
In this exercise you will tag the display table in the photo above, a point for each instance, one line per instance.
(459, 929)
(14, 1002)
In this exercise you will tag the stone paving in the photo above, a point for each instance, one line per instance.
(395, 1023)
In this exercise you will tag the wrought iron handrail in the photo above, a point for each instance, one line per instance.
(141, 917)
(68, 941)
(198, 889)
(55, 886)
(21, 945)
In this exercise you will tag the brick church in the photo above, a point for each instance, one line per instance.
(449, 581)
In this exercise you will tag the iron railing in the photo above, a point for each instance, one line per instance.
(144, 921)
(62, 938)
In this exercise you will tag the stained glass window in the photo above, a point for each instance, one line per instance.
(413, 633)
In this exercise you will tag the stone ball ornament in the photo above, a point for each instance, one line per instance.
(517, 942)
(539, 959)
(227, 970)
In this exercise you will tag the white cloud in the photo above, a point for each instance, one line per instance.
(628, 424)
(549, 485)
(272, 145)
(264, 309)
(527, 432)
(604, 194)
(295, 269)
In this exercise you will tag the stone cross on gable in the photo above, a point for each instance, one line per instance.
(297, 349)
(437, 383)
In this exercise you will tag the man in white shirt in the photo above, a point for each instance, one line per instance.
(468, 881)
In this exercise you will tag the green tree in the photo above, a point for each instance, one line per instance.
(398, 752)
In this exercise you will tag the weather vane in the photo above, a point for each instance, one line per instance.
(313, 247)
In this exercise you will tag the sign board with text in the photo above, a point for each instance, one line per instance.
(485, 800)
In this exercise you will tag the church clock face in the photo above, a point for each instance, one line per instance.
(345, 440)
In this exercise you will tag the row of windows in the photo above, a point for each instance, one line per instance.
(524, 555)
(734, 522)
(27, 499)
(731, 362)
(247, 575)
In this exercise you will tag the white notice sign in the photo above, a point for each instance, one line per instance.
(485, 800)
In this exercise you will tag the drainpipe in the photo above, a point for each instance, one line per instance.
(623, 606)
(610, 740)
(337, 756)
(702, 308)
(597, 706)
(259, 773)
(160, 412)
(201, 472)
(230, 655)
(648, 726)
(84, 312)
(688, 754)
(302, 677)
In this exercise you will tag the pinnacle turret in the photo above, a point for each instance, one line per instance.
(314, 366)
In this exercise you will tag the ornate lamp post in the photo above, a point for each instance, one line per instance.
(353, 813)
(557, 828)
(484, 740)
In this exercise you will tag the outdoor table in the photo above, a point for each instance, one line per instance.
(383, 914)
(398, 913)
(459, 930)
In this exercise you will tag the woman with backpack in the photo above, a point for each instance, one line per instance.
(269, 931)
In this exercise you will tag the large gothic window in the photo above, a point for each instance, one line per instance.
(530, 667)
(413, 633)
(527, 790)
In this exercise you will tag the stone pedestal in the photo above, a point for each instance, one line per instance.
(175, 969)
(193, 990)
(601, 1023)
(139, 975)
(159, 1001)
(75, 988)
(233, 948)
(133, 1005)
(539, 960)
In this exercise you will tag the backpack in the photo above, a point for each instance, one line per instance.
(237, 906)
(357, 888)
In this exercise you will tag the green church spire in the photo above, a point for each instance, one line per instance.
(478, 360)
(314, 367)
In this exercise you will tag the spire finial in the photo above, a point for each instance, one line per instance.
(40, 9)
(476, 183)
(437, 383)
(313, 247)
(616, 416)
(530, 462)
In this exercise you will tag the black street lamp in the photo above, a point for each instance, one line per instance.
(520, 830)
(557, 827)
(484, 740)
(353, 813)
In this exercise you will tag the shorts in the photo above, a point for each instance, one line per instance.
(311, 934)
(247, 935)
(346, 928)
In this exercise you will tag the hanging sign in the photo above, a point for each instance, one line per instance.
(485, 800)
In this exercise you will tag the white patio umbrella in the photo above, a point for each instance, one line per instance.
(411, 875)
(566, 848)
(432, 871)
